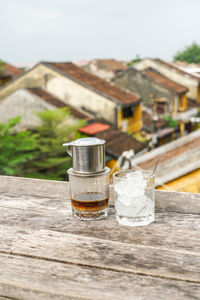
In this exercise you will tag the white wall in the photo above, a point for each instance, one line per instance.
(23, 103)
(102, 73)
(78, 96)
(69, 91)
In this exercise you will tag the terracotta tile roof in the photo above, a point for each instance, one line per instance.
(77, 113)
(164, 81)
(179, 157)
(94, 128)
(95, 83)
(147, 121)
(172, 154)
(175, 68)
(117, 142)
(12, 71)
(112, 64)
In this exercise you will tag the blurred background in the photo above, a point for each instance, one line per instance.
(124, 71)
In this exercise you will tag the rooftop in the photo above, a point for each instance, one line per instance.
(147, 121)
(164, 81)
(176, 68)
(53, 100)
(12, 70)
(117, 142)
(94, 128)
(112, 64)
(93, 82)
(178, 158)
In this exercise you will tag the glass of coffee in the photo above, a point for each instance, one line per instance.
(89, 179)
(89, 195)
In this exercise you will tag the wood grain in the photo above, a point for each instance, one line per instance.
(28, 278)
(165, 201)
(34, 187)
(152, 261)
(46, 254)
(177, 231)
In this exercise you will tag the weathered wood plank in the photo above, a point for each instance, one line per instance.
(177, 231)
(178, 202)
(34, 187)
(136, 259)
(7, 298)
(26, 278)
(12, 237)
(165, 201)
(37, 204)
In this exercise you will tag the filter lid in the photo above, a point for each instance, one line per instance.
(91, 141)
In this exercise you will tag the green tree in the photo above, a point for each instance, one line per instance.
(133, 61)
(16, 149)
(171, 123)
(58, 127)
(39, 154)
(190, 54)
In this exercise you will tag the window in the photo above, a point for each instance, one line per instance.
(127, 112)
(161, 106)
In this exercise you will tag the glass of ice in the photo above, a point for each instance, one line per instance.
(134, 197)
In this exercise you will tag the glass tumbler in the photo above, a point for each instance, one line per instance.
(89, 195)
(134, 196)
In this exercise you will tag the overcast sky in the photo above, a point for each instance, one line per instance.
(64, 30)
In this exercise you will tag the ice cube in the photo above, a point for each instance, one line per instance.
(143, 207)
(136, 178)
(120, 187)
(125, 199)
(135, 175)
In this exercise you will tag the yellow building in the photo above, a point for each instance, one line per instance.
(189, 183)
(81, 89)
(129, 119)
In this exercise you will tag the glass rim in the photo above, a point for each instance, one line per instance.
(72, 173)
(150, 175)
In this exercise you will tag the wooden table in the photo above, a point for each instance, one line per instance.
(45, 254)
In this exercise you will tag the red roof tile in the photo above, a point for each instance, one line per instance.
(147, 121)
(117, 142)
(95, 83)
(112, 64)
(94, 128)
(164, 81)
(175, 68)
(12, 70)
(77, 113)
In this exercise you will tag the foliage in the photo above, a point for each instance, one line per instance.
(141, 136)
(2, 66)
(191, 54)
(57, 127)
(171, 123)
(39, 154)
(131, 62)
(16, 149)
